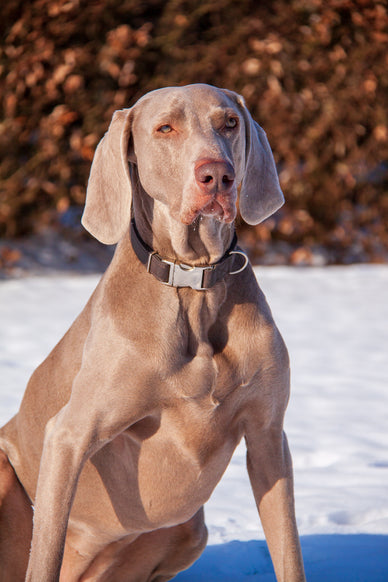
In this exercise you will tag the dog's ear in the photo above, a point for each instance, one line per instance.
(107, 210)
(260, 194)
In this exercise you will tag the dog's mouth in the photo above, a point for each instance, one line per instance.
(221, 212)
(221, 208)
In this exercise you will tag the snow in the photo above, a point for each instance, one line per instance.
(335, 323)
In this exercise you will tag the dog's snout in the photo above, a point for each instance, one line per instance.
(214, 176)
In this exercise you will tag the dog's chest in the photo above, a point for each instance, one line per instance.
(172, 459)
(181, 463)
(202, 358)
(161, 470)
(196, 432)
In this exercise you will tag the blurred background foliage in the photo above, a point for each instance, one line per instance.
(313, 74)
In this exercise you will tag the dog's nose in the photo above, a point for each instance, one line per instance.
(214, 176)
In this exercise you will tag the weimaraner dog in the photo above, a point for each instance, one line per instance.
(128, 425)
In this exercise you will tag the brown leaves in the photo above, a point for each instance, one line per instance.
(313, 74)
(9, 257)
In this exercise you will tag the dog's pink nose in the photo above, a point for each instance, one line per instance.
(214, 176)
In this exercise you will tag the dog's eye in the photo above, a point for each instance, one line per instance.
(165, 128)
(231, 122)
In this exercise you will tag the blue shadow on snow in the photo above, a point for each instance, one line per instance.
(327, 558)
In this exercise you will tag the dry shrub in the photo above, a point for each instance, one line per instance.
(313, 74)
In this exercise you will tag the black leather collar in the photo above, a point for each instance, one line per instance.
(181, 275)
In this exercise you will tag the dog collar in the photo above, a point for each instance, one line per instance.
(181, 275)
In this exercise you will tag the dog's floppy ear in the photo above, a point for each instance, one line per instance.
(260, 194)
(107, 210)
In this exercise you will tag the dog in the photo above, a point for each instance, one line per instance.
(128, 425)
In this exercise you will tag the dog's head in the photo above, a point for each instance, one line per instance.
(189, 148)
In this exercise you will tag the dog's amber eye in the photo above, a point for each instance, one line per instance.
(231, 122)
(165, 128)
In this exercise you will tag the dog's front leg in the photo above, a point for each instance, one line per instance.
(270, 471)
(66, 449)
(269, 462)
(93, 416)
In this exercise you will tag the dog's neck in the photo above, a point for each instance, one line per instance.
(202, 243)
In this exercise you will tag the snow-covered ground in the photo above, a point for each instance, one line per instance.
(335, 323)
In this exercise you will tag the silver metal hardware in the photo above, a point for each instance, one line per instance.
(244, 265)
(182, 275)
(149, 260)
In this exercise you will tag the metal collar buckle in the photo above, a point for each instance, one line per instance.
(182, 275)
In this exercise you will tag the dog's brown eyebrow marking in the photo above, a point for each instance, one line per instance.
(219, 114)
(170, 115)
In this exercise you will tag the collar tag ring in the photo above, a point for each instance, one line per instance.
(246, 261)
